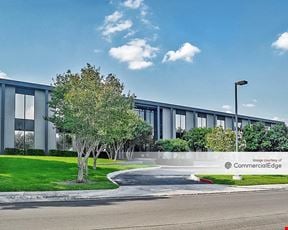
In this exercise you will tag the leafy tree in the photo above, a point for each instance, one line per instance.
(116, 118)
(141, 135)
(95, 111)
(75, 107)
(196, 138)
(256, 138)
(120, 117)
(278, 137)
(172, 145)
(221, 140)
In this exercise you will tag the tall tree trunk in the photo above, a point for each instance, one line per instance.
(96, 152)
(118, 148)
(116, 155)
(129, 152)
(95, 163)
(94, 160)
(80, 176)
(80, 146)
(86, 168)
(109, 154)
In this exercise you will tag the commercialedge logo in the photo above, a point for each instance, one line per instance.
(229, 165)
(259, 165)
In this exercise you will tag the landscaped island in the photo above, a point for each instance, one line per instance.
(248, 179)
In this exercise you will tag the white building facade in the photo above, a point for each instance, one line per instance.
(24, 107)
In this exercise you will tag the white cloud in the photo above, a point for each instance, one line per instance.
(3, 75)
(136, 53)
(144, 11)
(116, 22)
(282, 42)
(276, 118)
(186, 53)
(249, 105)
(97, 51)
(280, 119)
(113, 17)
(255, 100)
(130, 34)
(228, 107)
(133, 4)
(113, 23)
(118, 27)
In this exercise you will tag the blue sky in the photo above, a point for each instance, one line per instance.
(186, 52)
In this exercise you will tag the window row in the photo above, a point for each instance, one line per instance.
(180, 120)
(220, 122)
(24, 139)
(24, 106)
(180, 124)
(24, 119)
(148, 116)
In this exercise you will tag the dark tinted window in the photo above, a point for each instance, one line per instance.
(29, 125)
(19, 124)
(25, 91)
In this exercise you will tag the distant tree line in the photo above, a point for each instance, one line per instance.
(253, 138)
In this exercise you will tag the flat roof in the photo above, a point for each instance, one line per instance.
(26, 84)
(140, 102)
(154, 104)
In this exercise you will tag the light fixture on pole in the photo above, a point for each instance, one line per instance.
(237, 83)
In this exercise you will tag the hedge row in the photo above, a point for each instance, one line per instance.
(30, 152)
(62, 153)
(172, 145)
(39, 152)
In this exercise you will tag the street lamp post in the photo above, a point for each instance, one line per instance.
(238, 83)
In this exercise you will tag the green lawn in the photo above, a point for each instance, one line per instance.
(45, 173)
(248, 179)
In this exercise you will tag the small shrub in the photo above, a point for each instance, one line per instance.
(196, 138)
(27, 152)
(220, 140)
(34, 152)
(62, 153)
(13, 151)
(172, 145)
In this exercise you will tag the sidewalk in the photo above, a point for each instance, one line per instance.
(127, 192)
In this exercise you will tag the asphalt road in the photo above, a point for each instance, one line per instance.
(249, 210)
(161, 176)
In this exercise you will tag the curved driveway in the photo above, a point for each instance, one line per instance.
(156, 176)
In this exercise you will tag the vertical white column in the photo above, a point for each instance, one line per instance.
(210, 120)
(228, 123)
(189, 121)
(166, 117)
(51, 131)
(39, 103)
(9, 117)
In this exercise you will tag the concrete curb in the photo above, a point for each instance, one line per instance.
(132, 192)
